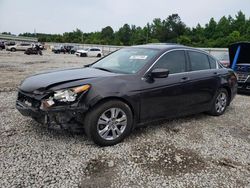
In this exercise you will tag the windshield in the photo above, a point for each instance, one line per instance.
(126, 60)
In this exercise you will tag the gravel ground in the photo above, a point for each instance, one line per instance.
(195, 151)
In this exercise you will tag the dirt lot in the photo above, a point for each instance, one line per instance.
(195, 151)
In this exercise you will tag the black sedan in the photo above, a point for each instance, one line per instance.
(127, 88)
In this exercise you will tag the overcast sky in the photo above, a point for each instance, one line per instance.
(59, 16)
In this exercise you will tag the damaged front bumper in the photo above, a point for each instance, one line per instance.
(57, 117)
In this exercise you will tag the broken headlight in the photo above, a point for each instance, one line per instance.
(65, 95)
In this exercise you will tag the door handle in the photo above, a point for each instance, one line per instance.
(184, 79)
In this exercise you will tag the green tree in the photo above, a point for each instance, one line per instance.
(174, 28)
(185, 40)
(210, 29)
(124, 35)
(107, 35)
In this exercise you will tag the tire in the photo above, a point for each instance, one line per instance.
(83, 55)
(102, 129)
(220, 103)
(99, 55)
(13, 49)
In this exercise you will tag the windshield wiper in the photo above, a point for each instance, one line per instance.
(100, 68)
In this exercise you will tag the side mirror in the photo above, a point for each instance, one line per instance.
(159, 73)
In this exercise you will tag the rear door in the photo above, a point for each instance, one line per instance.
(203, 82)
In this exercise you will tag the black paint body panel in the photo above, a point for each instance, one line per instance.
(149, 99)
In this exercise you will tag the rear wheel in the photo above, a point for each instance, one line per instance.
(220, 103)
(13, 49)
(108, 123)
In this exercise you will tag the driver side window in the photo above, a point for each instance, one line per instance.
(174, 61)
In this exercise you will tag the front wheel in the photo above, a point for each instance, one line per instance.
(220, 103)
(108, 123)
(83, 55)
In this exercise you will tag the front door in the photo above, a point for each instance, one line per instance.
(165, 97)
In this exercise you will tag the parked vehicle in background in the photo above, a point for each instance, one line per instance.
(59, 49)
(62, 49)
(10, 43)
(19, 47)
(89, 52)
(223, 57)
(41, 46)
(240, 61)
(35, 50)
(74, 50)
(68, 48)
(2, 45)
(127, 88)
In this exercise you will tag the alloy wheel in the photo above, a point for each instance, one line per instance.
(112, 124)
(221, 102)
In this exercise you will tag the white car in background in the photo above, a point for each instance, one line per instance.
(89, 52)
(19, 47)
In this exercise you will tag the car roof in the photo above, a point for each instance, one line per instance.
(168, 46)
(158, 46)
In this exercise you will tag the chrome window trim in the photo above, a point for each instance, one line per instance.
(186, 50)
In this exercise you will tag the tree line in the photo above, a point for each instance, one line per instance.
(170, 30)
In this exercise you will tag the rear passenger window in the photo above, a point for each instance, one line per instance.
(174, 61)
(213, 63)
(199, 61)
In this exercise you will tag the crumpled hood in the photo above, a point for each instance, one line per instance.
(44, 81)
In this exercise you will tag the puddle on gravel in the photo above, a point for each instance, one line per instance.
(100, 172)
(167, 160)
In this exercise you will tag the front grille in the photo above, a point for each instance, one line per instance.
(28, 100)
(242, 77)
